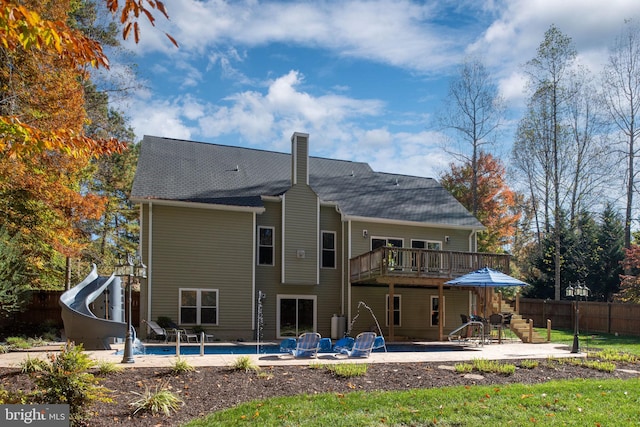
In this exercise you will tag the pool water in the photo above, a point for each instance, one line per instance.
(186, 350)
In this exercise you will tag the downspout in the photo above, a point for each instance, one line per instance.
(344, 266)
(253, 274)
(349, 272)
(344, 269)
(149, 256)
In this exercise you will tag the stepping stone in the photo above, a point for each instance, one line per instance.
(629, 371)
(474, 377)
(447, 367)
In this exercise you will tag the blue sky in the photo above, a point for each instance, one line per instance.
(363, 78)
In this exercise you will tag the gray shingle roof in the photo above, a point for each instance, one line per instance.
(178, 170)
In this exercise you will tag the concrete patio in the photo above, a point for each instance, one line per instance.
(504, 351)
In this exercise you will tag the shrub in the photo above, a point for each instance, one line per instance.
(158, 400)
(494, 366)
(66, 379)
(106, 367)
(18, 343)
(13, 398)
(181, 366)
(599, 366)
(463, 368)
(348, 370)
(244, 363)
(529, 364)
(31, 365)
(614, 356)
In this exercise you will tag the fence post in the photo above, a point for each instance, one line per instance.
(548, 330)
(530, 331)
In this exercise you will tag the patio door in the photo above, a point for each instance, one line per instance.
(296, 314)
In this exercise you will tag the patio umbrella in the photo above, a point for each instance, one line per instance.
(486, 277)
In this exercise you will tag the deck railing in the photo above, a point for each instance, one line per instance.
(405, 262)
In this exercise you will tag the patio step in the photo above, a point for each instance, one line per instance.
(520, 327)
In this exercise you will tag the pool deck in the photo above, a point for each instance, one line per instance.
(504, 351)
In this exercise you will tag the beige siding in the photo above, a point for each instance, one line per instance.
(300, 237)
(458, 239)
(415, 310)
(208, 249)
(268, 277)
(330, 290)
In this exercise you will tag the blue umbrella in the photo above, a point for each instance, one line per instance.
(486, 277)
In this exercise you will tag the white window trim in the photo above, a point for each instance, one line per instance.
(431, 311)
(273, 246)
(335, 248)
(386, 303)
(284, 296)
(198, 305)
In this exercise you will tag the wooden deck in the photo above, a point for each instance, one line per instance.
(420, 266)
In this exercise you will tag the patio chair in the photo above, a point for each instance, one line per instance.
(362, 346)
(173, 331)
(155, 331)
(307, 345)
(497, 321)
(190, 335)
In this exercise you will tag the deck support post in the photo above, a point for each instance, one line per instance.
(442, 312)
(391, 309)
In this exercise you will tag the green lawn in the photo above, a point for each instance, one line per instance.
(576, 402)
(563, 403)
(593, 342)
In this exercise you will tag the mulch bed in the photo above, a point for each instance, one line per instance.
(210, 389)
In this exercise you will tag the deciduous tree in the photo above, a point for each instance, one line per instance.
(497, 207)
(473, 111)
(621, 89)
(548, 73)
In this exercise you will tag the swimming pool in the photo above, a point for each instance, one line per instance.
(242, 348)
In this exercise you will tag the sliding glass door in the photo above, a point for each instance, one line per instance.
(296, 314)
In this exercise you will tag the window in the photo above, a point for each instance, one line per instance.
(378, 242)
(198, 307)
(435, 311)
(328, 249)
(396, 310)
(265, 245)
(296, 314)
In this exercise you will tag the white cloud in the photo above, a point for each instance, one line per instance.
(402, 33)
(414, 37)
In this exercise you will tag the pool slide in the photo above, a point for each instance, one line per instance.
(80, 324)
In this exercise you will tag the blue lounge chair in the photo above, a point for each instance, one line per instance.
(307, 345)
(362, 346)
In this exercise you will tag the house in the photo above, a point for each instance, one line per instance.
(307, 243)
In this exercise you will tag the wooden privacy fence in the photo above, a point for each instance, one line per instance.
(603, 317)
(44, 309)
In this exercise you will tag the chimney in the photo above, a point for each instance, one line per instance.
(300, 158)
